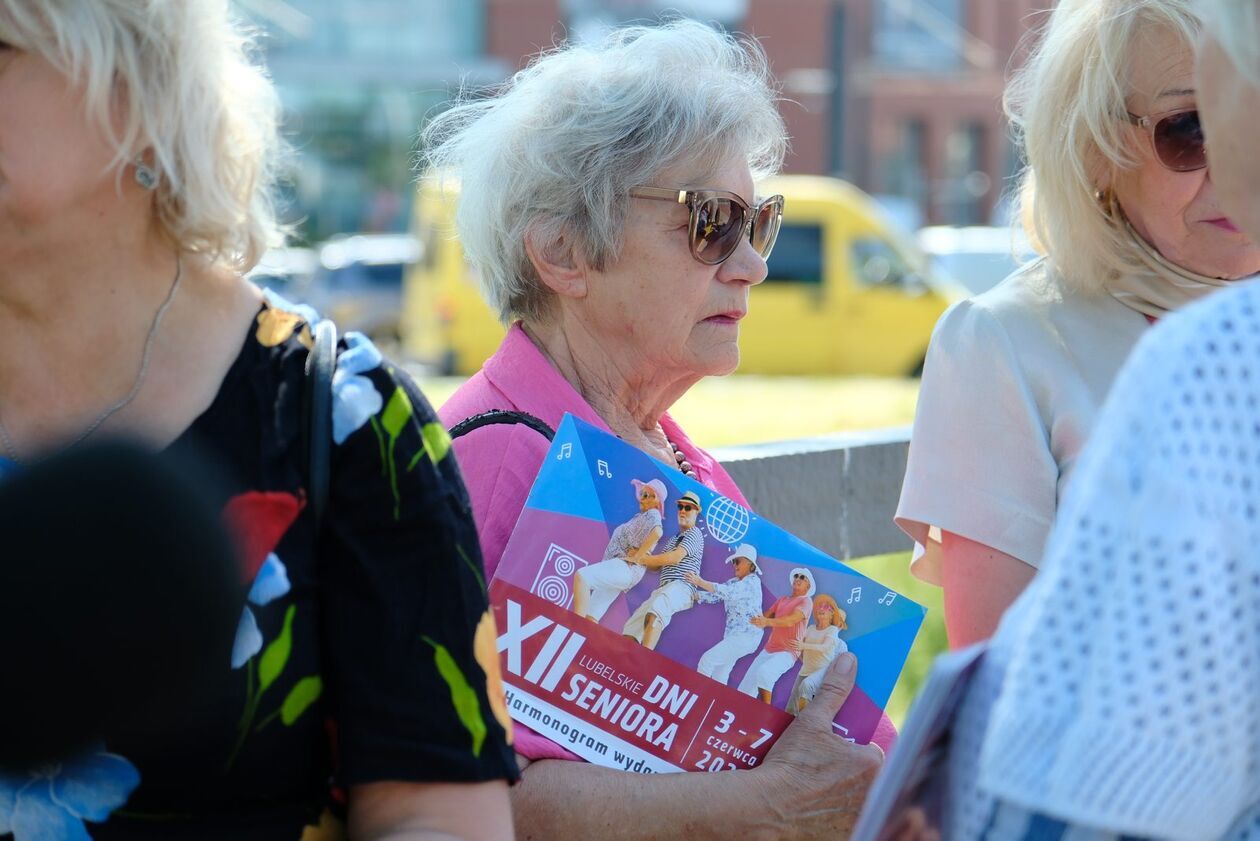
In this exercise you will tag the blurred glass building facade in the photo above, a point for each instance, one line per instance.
(356, 78)
(901, 97)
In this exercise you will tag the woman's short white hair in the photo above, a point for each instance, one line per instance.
(1235, 24)
(171, 80)
(1067, 105)
(556, 151)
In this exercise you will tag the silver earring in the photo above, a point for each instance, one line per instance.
(146, 176)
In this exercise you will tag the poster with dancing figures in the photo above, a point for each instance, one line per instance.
(649, 623)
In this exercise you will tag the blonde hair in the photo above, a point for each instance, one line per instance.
(1067, 107)
(558, 149)
(172, 80)
(1235, 24)
(838, 617)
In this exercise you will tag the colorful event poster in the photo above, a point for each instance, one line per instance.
(612, 649)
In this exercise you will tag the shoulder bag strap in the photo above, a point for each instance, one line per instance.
(320, 363)
(495, 416)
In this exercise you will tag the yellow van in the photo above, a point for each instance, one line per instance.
(847, 293)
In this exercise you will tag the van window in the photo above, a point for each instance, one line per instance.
(877, 263)
(797, 255)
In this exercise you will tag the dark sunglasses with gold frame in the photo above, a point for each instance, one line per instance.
(1176, 137)
(719, 220)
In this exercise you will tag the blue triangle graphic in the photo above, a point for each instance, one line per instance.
(564, 484)
(878, 663)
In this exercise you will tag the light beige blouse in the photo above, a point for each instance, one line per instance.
(1012, 386)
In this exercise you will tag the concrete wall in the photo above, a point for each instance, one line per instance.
(837, 492)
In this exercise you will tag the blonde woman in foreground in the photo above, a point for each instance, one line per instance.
(137, 160)
(1120, 195)
(1117, 696)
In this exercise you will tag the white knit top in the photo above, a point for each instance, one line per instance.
(1122, 690)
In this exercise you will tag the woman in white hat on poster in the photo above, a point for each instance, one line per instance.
(742, 598)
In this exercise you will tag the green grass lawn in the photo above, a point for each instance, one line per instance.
(746, 409)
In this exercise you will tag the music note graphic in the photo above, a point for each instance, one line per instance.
(566, 451)
(603, 468)
(890, 595)
(855, 595)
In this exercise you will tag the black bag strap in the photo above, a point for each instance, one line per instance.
(317, 401)
(502, 416)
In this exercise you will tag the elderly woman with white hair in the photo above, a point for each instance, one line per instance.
(1119, 194)
(137, 159)
(607, 199)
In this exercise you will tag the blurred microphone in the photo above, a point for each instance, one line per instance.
(119, 598)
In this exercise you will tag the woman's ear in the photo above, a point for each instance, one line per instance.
(556, 260)
(1102, 172)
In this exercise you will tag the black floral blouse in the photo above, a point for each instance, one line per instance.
(366, 653)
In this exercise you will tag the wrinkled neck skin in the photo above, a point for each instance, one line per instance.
(70, 309)
(625, 388)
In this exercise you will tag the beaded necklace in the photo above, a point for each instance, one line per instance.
(683, 464)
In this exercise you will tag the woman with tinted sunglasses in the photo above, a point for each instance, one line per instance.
(608, 200)
(1105, 706)
(1118, 193)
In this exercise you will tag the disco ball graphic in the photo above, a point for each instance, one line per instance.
(726, 520)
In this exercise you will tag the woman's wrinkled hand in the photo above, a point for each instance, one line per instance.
(814, 782)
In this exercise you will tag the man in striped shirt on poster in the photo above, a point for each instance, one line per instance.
(682, 555)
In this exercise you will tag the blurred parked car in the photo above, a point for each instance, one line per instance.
(848, 292)
(978, 257)
(359, 282)
(287, 271)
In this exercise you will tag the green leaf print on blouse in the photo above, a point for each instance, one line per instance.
(393, 420)
(398, 415)
(262, 672)
(304, 693)
(467, 707)
(476, 571)
(437, 442)
(277, 654)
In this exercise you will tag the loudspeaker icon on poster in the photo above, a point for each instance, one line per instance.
(554, 575)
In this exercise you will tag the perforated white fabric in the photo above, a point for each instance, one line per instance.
(1130, 698)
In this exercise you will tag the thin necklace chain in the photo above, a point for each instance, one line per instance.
(11, 450)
